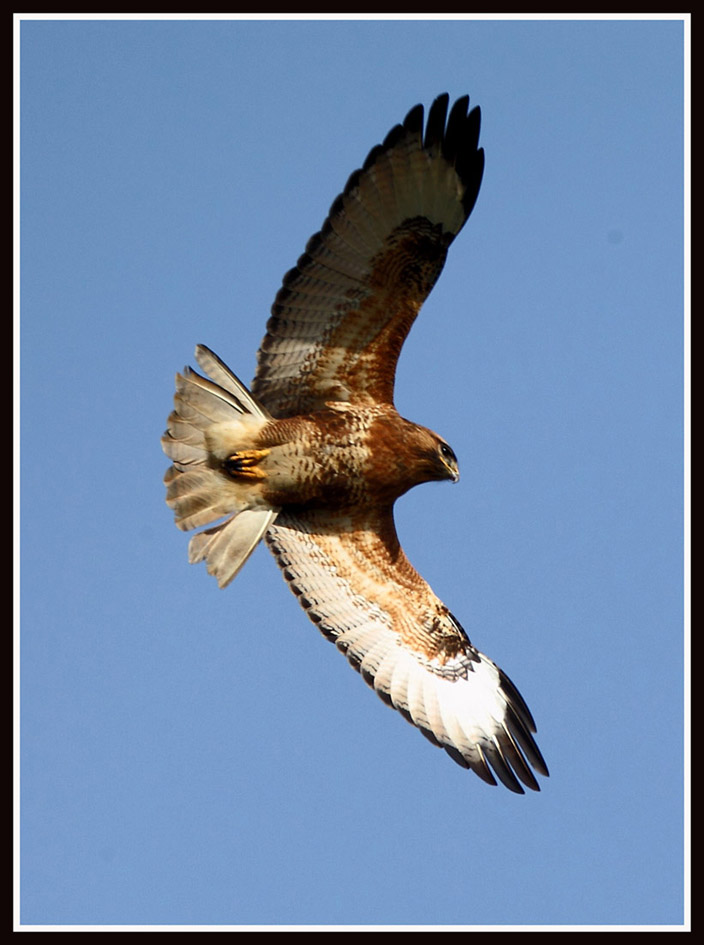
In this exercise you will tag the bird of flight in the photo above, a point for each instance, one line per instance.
(313, 458)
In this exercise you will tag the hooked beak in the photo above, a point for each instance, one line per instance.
(453, 469)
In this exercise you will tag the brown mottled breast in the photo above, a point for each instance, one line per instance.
(345, 456)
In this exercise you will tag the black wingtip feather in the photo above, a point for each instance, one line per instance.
(455, 133)
(435, 126)
(516, 701)
(482, 769)
(502, 769)
(375, 152)
(526, 742)
(514, 757)
(459, 758)
(413, 122)
(393, 137)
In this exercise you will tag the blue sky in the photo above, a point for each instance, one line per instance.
(192, 756)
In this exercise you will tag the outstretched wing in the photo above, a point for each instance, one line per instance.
(343, 313)
(353, 579)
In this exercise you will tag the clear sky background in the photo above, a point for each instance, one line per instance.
(195, 756)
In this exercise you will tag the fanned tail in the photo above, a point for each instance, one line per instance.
(211, 420)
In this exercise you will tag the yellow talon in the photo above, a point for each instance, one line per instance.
(243, 465)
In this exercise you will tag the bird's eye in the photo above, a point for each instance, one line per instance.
(446, 452)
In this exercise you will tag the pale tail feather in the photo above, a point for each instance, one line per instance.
(222, 375)
(225, 548)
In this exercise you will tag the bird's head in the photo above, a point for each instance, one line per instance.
(435, 457)
(446, 461)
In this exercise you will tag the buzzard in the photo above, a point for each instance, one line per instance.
(313, 458)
